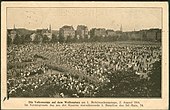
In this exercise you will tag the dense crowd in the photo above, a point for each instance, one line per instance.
(51, 85)
(29, 70)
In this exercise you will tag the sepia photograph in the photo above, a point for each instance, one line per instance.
(74, 52)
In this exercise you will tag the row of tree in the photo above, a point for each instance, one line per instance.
(39, 38)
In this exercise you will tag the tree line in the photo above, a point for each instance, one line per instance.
(40, 38)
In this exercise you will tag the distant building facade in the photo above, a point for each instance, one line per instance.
(148, 35)
(41, 33)
(67, 32)
(95, 34)
(110, 32)
(82, 31)
(98, 32)
(154, 34)
(48, 33)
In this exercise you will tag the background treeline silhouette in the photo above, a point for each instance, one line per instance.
(24, 36)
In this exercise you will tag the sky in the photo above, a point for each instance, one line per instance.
(109, 18)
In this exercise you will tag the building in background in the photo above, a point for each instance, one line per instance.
(145, 35)
(82, 31)
(110, 33)
(154, 34)
(98, 32)
(48, 33)
(67, 32)
(42, 35)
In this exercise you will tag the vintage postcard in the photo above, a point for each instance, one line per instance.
(84, 55)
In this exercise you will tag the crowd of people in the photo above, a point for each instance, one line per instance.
(99, 60)
(51, 85)
(29, 66)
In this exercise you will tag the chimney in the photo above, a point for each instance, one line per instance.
(121, 28)
(50, 28)
(14, 26)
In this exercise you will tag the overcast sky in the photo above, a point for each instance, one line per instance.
(110, 18)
